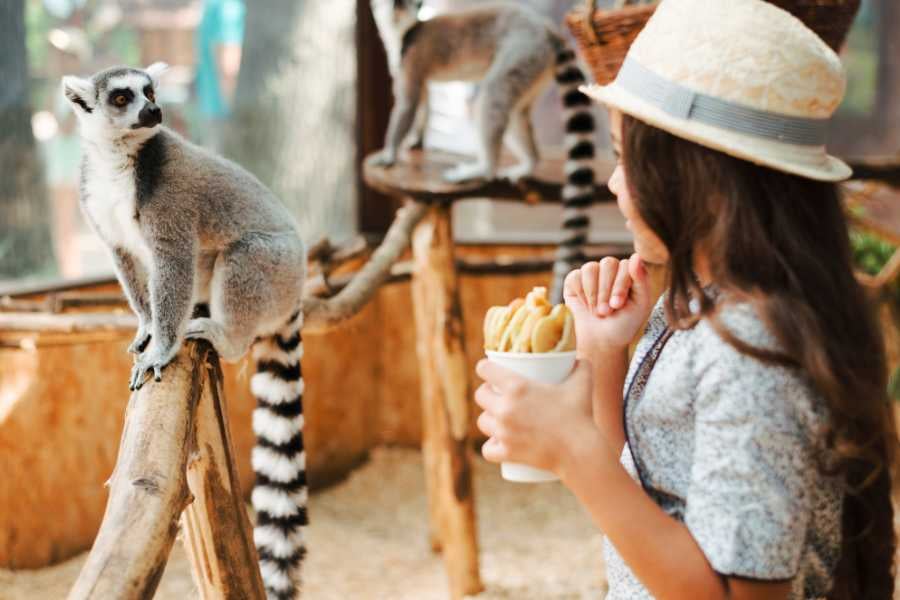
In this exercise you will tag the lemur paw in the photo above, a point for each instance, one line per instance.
(414, 142)
(385, 158)
(467, 172)
(144, 364)
(141, 341)
(517, 172)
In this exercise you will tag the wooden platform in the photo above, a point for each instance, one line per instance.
(418, 176)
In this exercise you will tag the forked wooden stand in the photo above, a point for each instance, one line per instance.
(175, 462)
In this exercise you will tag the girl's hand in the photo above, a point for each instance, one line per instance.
(533, 423)
(609, 301)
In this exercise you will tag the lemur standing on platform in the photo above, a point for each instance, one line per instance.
(186, 228)
(513, 52)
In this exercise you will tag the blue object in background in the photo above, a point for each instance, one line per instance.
(222, 22)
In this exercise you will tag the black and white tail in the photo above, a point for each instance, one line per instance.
(578, 191)
(279, 460)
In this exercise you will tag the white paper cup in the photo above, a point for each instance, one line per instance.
(544, 367)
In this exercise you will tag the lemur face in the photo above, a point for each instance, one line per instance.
(118, 101)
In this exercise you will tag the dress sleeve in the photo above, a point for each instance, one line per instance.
(749, 502)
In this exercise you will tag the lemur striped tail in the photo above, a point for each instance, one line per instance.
(578, 191)
(279, 460)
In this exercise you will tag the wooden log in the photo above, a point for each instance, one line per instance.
(175, 454)
(218, 536)
(148, 488)
(446, 397)
(429, 397)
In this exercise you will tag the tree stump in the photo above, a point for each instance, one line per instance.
(445, 401)
(175, 454)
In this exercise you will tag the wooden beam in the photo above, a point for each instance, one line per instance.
(446, 398)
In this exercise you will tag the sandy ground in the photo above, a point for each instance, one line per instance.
(369, 540)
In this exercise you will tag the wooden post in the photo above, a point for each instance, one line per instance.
(218, 536)
(149, 489)
(445, 401)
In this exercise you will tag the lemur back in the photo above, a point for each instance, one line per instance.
(514, 53)
(187, 228)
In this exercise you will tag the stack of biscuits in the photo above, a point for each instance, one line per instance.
(530, 325)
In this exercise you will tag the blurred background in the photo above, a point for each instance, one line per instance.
(298, 93)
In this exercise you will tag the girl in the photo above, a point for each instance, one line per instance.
(745, 451)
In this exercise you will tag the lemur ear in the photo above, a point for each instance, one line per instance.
(156, 70)
(80, 92)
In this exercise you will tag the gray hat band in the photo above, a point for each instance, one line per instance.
(684, 103)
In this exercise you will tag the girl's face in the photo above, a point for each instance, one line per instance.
(646, 243)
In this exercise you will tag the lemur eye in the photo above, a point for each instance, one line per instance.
(151, 96)
(120, 100)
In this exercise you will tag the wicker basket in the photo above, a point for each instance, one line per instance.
(605, 37)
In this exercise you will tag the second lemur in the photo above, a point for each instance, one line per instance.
(513, 53)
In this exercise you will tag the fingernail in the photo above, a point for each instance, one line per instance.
(603, 308)
(615, 301)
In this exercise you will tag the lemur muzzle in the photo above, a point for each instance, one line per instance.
(150, 115)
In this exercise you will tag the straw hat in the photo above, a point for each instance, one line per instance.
(740, 76)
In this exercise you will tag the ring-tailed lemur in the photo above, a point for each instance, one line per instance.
(187, 228)
(513, 52)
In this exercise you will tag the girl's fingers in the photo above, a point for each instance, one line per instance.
(589, 274)
(486, 397)
(609, 267)
(621, 286)
(493, 451)
(487, 424)
(572, 289)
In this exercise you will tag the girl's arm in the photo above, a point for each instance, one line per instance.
(609, 369)
(610, 300)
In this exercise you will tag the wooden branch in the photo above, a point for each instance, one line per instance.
(148, 488)
(218, 535)
(446, 399)
(58, 301)
(324, 255)
(320, 314)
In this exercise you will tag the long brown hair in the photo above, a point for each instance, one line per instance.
(781, 243)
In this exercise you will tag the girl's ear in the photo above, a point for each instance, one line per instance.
(155, 71)
(79, 92)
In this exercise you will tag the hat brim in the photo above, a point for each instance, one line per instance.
(796, 160)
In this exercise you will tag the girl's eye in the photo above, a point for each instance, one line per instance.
(120, 100)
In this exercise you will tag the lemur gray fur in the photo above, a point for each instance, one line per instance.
(187, 228)
(513, 52)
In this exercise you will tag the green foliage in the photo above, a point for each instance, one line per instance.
(870, 255)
